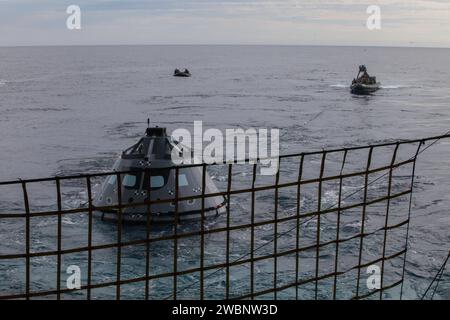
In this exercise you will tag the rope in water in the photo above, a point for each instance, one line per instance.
(437, 279)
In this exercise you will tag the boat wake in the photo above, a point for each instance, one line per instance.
(345, 86)
(339, 86)
(394, 87)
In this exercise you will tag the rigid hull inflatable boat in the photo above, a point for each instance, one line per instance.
(364, 84)
(364, 89)
(178, 73)
(151, 168)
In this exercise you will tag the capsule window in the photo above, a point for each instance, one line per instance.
(112, 180)
(130, 181)
(157, 182)
(182, 180)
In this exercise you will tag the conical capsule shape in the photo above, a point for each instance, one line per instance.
(151, 174)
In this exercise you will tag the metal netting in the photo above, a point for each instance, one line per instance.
(315, 230)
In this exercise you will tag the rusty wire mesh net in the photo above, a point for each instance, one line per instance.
(315, 230)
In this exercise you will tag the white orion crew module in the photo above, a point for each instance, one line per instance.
(151, 168)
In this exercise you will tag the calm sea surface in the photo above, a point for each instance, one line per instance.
(67, 110)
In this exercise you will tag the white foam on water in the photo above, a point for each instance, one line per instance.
(68, 221)
(394, 87)
(399, 86)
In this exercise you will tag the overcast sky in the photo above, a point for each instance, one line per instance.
(289, 22)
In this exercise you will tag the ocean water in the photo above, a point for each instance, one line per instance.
(67, 110)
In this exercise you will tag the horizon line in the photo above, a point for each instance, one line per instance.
(229, 44)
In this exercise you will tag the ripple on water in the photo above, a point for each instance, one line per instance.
(311, 106)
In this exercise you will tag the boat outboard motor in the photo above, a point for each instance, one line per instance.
(151, 168)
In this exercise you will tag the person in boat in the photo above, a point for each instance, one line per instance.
(176, 71)
(186, 71)
(365, 78)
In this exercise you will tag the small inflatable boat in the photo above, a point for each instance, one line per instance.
(178, 73)
(364, 89)
(364, 84)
